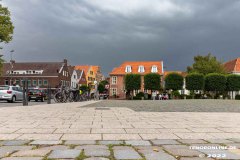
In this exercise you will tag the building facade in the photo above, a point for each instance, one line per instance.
(92, 73)
(38, 74)
(117, 84)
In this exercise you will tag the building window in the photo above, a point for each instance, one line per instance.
(141, 69)
(17, 82)
(39, 82)
(91, 72)
(114, 80)
(6, 82)
(154, 69)
(45, 82)
(74, 76)
(114, 91)
(29, 83)
(128, 69)
(34, 82)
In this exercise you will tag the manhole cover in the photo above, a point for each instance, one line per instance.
(103, 108)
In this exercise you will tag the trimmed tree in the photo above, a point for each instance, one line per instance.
(233, 83)
(174, 81)
(194, 81)
(215, 82)
(152, 81)
(132, 82)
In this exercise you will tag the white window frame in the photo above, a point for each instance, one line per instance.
(154, 69)
(141, 69)
(114, 79)
(128, 69)
(114, 91)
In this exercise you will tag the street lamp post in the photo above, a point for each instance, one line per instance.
(11, 63)
(96, 90)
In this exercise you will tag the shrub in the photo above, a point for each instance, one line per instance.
(195, 81)
(176, 94)
(237, 97)
(140, 94)
(137, 98)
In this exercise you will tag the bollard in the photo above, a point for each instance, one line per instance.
(49, 95)
(24, 94)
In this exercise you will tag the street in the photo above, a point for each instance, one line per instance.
(19, 103)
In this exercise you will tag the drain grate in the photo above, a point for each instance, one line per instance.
(102, 108)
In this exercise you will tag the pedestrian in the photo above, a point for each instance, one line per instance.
(160, 96)
(154, 94)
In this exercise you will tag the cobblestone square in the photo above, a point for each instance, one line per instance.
(79, 131)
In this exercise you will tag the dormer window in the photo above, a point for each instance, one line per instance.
(154, 69)
(128, 69)
(141, 69)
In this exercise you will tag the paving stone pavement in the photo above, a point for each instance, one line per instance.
(74, 131)
(120, 150)
(76, 121)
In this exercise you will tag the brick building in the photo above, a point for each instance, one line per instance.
(117, 86)
(38, 74)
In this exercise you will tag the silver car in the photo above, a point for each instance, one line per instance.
(11, 93)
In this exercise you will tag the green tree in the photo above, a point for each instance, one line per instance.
(194, 81)
(174, 81)
(233, 83)
(152, 81)
(6, 26)
(205, 65)
(101, 86)
(215, 82)
(132, 82)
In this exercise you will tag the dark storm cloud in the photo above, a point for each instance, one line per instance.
(107, 32)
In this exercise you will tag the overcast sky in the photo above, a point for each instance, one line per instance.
(108, 32)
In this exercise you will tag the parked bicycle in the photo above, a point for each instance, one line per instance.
(66, 94)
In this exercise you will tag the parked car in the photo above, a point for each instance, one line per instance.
(37, 94)
(103, 96)
(11, 93)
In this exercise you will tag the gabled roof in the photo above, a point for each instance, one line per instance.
(49, 68)
(134, 65)
(233, 65)
(85, 68)
(95, 69)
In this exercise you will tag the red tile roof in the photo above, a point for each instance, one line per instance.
(233, 65)
(49, 68)
(84, 68)
(147, 67)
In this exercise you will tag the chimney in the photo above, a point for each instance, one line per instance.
(65, 61)
(12, 61)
